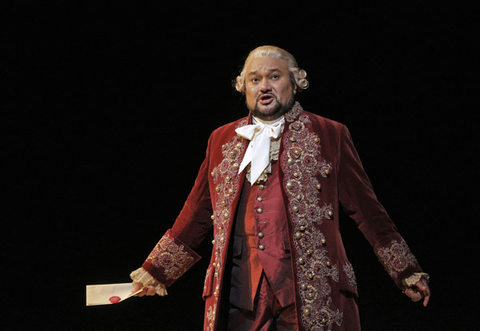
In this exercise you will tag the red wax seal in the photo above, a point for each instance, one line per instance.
(115, 299)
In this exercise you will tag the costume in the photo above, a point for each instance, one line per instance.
(318, 170)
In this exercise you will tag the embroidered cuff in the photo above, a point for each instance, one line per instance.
(415, 278)
(170, 259)
(397, 259)
(143, 276)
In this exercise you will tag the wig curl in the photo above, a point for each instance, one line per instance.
(297, 76)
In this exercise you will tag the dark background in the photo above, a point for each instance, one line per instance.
(108, 108)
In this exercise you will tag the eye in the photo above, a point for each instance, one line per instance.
(275, 76)
(255, 80)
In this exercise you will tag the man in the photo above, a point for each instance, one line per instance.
(271, 186)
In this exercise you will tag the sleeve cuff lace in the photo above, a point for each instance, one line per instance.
(143, 276)
(415, 278)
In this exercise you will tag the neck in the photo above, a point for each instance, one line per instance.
(256, 119)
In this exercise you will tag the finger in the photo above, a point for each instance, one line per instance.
(427, 296)
(423, 288)
(150, 291)
(414, 295)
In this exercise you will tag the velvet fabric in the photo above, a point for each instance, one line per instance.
(319, 172)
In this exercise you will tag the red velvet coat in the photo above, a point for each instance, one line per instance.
(319, 170)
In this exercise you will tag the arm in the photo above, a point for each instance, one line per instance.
(361, 204)
(175, 253)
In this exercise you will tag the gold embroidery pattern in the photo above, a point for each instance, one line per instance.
(352, 280)
(396, 257)
(302, 162)
(226, 180)
(171, 257)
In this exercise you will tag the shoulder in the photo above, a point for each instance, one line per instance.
(323, 125)
(227, 131)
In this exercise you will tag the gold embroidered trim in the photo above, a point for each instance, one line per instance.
(171, 257)
(352, 280)
(396, 257)
(302, 162)
(226, 180)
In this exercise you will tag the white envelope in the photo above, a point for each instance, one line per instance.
(108, 294)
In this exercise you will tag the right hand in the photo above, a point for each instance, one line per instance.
(146, 290)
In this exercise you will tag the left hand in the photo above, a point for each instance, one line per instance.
(418, 291)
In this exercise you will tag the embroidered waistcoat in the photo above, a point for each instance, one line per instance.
(318, 170)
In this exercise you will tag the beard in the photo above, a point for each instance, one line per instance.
(276, 112)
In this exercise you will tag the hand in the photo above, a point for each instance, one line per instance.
(418, 291)
(146, 290)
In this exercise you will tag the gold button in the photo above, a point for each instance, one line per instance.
(301, 260)
(319, 186)
(298, 235)
(303, 286)
(328, 264)
(295, 209)
(323, 241)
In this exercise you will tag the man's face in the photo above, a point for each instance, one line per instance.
(269, 91)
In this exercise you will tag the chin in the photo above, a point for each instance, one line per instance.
(271, 111)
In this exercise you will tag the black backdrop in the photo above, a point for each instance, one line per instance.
(108, 108)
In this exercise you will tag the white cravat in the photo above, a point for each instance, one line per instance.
(258, 150)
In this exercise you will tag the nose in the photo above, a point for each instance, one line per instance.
(265, 85)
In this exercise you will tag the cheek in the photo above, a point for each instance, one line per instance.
(286, 93)
(250, 94)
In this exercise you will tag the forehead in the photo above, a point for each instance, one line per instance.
(265, 65)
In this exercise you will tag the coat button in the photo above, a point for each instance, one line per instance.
(259, 210)
(260, 199)
(261, 234)
(261, 247)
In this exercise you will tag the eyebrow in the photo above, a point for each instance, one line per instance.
(251, 73)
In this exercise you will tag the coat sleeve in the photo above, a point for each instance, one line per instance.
(175, 253)
(360, 203)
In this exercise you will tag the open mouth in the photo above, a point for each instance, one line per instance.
(266, 99)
